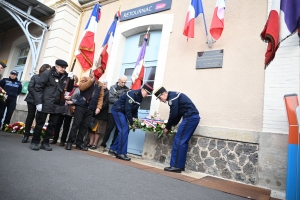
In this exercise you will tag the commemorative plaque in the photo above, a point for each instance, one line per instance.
(209, 59)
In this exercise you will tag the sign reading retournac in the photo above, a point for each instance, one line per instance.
(146, 10)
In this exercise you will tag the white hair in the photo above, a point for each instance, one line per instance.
(103, 81)
(123, 77)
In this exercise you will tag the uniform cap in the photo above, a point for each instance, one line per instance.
(61, 63)
(148, 88)
(3, 65)
(159, 92)
(14, 72)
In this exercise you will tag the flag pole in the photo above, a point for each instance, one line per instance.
(68, 80)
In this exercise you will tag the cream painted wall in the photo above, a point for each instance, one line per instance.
(282, 77)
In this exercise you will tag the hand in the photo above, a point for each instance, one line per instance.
(134, 127)
(67, 97)
(165, 132)
(69, 102)
(39, 107)
(71, 75)
(97, 111)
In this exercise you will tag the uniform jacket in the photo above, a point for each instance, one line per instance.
(129, 104)
(48, 91)
(103, 115)
(29, 98)
(180, 106)
(115, 92)
(94, 90)
(12, 87)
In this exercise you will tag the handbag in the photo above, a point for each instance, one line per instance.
(72, 109)
(93, 123)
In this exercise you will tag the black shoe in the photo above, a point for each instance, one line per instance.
(173, 169)
(123, 157)
(112, 152)
(62, 144)
(81, 147)
(46, 147)
(69, 146)
(25, 139)
(53, 142)
(34, 147)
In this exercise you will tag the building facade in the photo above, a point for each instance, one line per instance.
(243, 129)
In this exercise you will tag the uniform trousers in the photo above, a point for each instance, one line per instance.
(109, 128)
(66, 119)
(180, 146)
(29, 119)
(10, 105)
(40, 119)
(82, 118)
(121, 142)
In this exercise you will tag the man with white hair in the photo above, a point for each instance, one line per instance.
(115, 92)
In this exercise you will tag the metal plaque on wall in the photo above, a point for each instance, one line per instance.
(209, 59)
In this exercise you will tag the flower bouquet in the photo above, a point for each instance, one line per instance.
(3, 95)
(17, 127)
(154, 124)
(43, 130)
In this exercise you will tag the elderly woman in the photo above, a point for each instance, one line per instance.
(102, 119)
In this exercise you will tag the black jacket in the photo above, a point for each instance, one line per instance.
(30, 96)
(48, 91)
(114, 94)
(103, 115)
(12, 87)
(129, 104)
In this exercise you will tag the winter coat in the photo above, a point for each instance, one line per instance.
(12, 87)
(103, 115)
(48, 91)
(115, 92)
(30, 96)
(92, 91)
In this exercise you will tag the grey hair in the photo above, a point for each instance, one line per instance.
(103, 81)
(123, 76)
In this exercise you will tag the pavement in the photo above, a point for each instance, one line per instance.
(62, 174)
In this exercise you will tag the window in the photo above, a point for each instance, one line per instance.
(141, 41)
(21, 61)
(149, 78)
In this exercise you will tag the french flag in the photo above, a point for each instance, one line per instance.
(283, 21)
(138, 72)
(86, 49)
(217, 23)
(195, 8)
(106, 48)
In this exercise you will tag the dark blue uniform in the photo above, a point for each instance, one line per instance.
(181, 106)
(124, 109)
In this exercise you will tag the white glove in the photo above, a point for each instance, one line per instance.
(70, 75)
(39, 107)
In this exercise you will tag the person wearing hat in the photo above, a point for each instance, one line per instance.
(89, 101)
(125, 110)
(49, 99)
(13, 87)
(181, 106)
(2, 66)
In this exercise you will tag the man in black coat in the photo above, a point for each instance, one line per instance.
(48, 100)
(13, 88)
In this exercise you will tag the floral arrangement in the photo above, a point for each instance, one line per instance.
(3, 95)
(154, 124)
(17, 127)
(43, 130)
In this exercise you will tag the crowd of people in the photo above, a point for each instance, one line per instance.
(95, 110)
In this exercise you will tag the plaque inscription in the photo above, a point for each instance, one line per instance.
(209, 59)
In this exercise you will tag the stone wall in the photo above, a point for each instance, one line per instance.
(227, 159)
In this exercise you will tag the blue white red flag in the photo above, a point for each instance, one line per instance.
(138, 72)
(195, 8)
(217, 23)
(283, 21)
(106, 47)
(86, 50)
